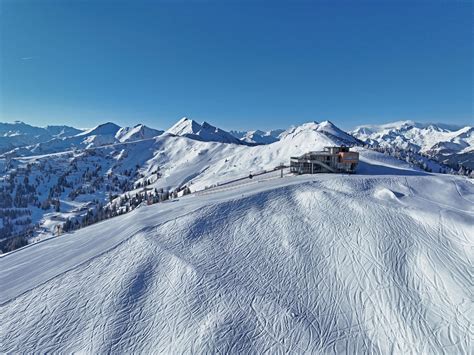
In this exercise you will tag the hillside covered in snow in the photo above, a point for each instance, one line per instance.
(112, 170)
(18, 134)
(182, 241)
(449, 145)
(24, 140)
(374, 262)
(70, 182)
(258, 136)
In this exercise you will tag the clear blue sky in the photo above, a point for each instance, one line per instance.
(236, 64)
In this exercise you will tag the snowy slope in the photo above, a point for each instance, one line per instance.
(17, 134)
(97, 136)
(188, 161)
(101, 135)
(140, 131)
(186, 127)
(373, 262)
(258, 136)
(407, 133)
(326, 128)
(446, 144)
(84, 178)
(87, 178)
(62, 131)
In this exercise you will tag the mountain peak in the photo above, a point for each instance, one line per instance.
(327, 123)
(420, 137)
(325, 128)
(108, 128)
(186, 127)
(258, 136)
(137, 132)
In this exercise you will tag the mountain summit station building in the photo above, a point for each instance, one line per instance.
(330, 160)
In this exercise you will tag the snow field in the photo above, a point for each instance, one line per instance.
(309, 264)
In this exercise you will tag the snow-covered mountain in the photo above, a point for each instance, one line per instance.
(108, 160)
(258, 136)
(369, 263)
(19, 128)
(140, 131)
(325, 128)
(328, 263)
(104, 166)
(103, 134)
(62, 131)
(105, 129)
(17, 134)
(189, 128)
(447, 144)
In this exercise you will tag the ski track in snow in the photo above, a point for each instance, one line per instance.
(318, 264)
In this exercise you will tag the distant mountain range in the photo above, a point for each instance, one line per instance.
(257, 136)
(18, 134)
(21, 139)
(447, 144)
(205, 132)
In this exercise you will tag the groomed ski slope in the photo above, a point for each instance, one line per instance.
(328, 263)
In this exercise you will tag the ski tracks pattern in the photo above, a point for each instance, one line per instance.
(321, 267)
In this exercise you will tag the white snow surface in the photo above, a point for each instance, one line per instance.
(104, 134)
(138, 132)
(186, 127)
(258, 136)
(17, 134)
(185, 161)
(377, 262)
(420, 137)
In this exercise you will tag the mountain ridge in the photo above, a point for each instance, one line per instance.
(440, 142)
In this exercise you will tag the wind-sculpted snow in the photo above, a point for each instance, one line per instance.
(319, 264)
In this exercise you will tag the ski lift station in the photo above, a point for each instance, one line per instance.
(330, 160)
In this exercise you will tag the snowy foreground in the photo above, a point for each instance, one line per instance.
(326, 263)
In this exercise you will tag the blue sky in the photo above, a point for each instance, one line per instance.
(238, 65)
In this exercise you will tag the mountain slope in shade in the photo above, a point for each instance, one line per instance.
(186, 127)
(62, 131)
(19, 128)
(104, 129)
(103, 134)
(17, 134)
(258, 136)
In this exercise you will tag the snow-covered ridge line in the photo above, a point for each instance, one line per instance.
(450, 145)
(186, 127)
(101, 135)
